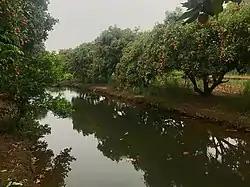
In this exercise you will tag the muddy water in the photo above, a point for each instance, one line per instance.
(122, 146)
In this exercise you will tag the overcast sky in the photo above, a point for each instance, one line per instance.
(83, 20)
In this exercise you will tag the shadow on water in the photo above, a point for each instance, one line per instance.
(51, 170)
(169, 152)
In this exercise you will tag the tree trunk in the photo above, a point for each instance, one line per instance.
(22, 109)
(192, 79)
(206, 90)
(218, 81)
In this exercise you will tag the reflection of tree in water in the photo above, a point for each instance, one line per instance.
(52, 171)
(156, 145)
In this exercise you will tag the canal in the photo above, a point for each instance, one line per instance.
(117, 145)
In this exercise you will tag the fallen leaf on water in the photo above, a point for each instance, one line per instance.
(41, 176)
(38, 181)
(130, 160)
(185, 153)
(16, 184)
(14, 145)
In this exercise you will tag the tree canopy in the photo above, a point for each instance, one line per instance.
(26, 69)
(213, 49)
(96, 61)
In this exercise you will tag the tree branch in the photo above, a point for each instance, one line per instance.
(192, 79)
(217, 82)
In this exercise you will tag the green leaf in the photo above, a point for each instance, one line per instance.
(191, 19)
(191, 13)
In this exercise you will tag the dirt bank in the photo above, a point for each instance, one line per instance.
(7, 108)
(16, 161)
(212, 109)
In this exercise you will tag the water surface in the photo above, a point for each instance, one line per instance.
(117, 145)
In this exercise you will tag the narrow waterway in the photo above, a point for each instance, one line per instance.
(116, 145)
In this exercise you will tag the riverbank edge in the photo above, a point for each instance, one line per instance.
(146, 102)
(142, 101)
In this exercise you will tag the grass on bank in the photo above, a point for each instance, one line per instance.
(230, 101)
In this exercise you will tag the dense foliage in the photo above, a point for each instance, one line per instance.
(213, 49)
(26, 69)
(83, 62)
(109, 46)
(96, 61)
(133, 69)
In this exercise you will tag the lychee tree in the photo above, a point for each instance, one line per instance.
(209, 50)
(26, 70)
(110, 45)
(83, 63)
(135, 69)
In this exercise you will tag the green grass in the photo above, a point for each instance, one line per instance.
(233, 104)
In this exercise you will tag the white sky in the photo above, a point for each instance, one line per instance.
(83, 20)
